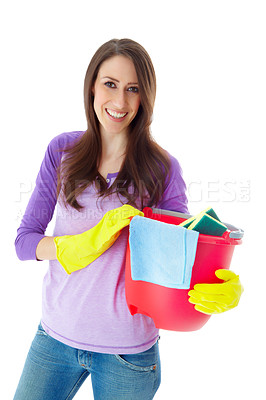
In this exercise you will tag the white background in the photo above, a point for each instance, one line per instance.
(209, 57)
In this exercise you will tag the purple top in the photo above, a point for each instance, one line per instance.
(87, 309)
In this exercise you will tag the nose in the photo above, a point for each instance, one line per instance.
(119, 99)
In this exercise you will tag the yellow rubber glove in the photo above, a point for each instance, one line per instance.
(75, 252)
(215, 298)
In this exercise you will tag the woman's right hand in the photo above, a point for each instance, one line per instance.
(46, 249)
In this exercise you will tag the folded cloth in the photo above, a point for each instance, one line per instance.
(161, 253)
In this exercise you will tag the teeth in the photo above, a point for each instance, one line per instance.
(115, 114)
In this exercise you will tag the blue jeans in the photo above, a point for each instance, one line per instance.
(55, 371)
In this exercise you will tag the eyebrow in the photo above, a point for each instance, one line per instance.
(113, 79)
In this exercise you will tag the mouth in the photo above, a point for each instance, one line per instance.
(115, 116)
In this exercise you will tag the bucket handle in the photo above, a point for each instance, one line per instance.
(235, 233)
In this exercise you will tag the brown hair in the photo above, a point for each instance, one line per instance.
(146, 164)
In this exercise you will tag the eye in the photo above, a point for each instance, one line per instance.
(133, 89)
(110, 84)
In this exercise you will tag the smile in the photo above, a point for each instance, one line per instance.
(115, 115)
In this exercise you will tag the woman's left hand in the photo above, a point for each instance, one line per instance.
(215, 298)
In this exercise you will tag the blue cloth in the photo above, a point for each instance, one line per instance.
(161, 253)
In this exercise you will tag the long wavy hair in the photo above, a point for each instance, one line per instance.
(144, 172)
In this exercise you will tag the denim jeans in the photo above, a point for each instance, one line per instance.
(55, 371)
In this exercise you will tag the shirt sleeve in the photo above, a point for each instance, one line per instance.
(41, 205)
(174, 197)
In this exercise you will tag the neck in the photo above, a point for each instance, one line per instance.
(113, 146)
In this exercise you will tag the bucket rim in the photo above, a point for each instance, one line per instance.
(233, 236)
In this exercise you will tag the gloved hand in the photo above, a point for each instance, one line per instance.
(75, 252)
(215, 298)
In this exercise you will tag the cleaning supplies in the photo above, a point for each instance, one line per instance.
(210, 211)
(169, 307)
(206, 222)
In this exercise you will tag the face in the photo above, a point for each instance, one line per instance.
(116, 95)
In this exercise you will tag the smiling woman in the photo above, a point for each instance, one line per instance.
(86, 327)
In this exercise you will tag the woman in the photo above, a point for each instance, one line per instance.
(86, 328)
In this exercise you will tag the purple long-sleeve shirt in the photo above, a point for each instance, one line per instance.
(87, 309)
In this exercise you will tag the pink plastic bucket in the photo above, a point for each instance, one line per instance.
(169, 308)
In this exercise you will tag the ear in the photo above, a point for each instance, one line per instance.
(93, 89)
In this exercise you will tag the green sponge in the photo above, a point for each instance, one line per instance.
(206, 222)
(207, 225)
(208, 211)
